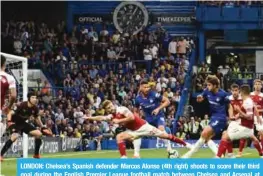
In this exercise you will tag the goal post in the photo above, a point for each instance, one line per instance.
(17, 67)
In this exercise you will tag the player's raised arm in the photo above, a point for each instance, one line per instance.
(136, 107)
(201, 96)
(164, 103)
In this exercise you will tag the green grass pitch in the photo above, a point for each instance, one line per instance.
(8, 166)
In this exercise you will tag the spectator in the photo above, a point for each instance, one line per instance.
(173, 47)
(193, 127)
(205, 122)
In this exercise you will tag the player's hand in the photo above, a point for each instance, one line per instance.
(46, 131)
(9, 123)
(156, 111)
(116, 121)
(237, 108)
(232, 118)
(199, 98)
(5, 110)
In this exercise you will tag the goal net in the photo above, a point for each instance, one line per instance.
(17, 67)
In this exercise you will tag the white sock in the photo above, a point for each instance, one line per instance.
(168, 144)
(99, 145)
(157, 142)
(195, 148)
(212, 145)
(137, 146)
(2, 129)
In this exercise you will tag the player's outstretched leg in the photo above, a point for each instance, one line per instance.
(121, 137)
(167, 142)
(212, 145)
(205, 135)
(37, 134)
(172, 138)
(257, 146)
(137, 146)
(242, 144)
(8, 144)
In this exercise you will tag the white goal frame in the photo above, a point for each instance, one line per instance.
(25, 90)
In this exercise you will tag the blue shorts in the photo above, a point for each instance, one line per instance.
(218, 125)
(156, 122)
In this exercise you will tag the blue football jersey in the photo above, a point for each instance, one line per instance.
(218, 102)
(150, 103)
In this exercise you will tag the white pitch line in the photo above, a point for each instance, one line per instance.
(75, 154)
(82, 153)
(246, 154)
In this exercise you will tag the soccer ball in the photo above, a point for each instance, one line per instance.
(173, 154)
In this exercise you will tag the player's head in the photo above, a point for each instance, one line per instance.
(3, 61)
(32, 98)
(245, 90)
(212, 82)
(257, 85)
(109, 107)
(144, 86)
(235, 90)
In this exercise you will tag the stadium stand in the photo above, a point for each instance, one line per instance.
(90, 63)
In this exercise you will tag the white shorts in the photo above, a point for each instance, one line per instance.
(236, 131)
(234, 122)
(258, 126)
(145, 130)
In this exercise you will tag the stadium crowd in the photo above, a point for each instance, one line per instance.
(93, 65)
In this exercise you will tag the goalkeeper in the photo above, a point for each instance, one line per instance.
(17, 124)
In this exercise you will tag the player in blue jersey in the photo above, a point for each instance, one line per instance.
(218, 104)
(152, 105)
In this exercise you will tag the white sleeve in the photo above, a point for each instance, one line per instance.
(11, 82)
(248, 106)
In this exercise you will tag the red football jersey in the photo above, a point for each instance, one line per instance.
(133, 125)
(7, 82)
(237, 102)
(248, 108)
(258, 101)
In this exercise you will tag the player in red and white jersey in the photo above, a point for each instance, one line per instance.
(246, 127)
(136, 126)
(257, 97)
(235, 100)
(7, 84)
